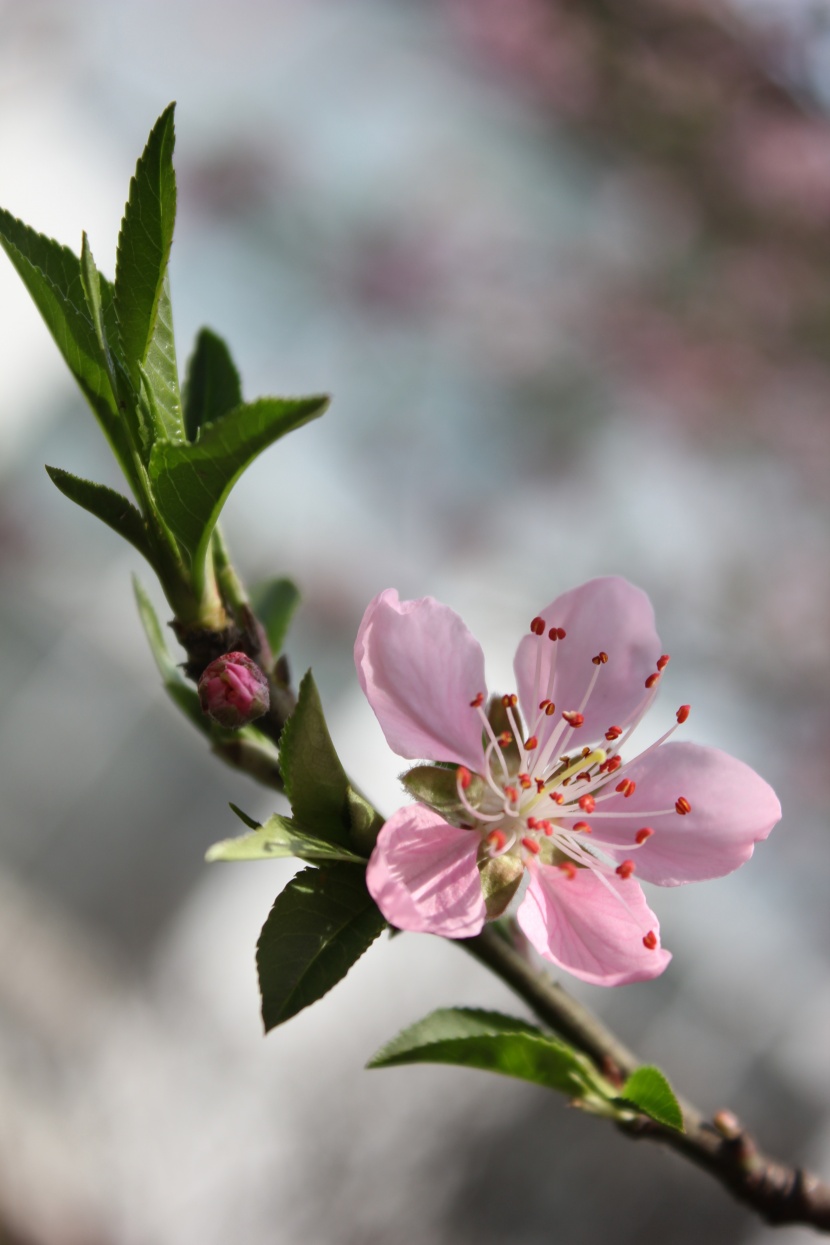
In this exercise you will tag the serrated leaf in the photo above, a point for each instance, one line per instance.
(212, 387)
(649, 1091)
(192, 482)
(280, 837)
(106, 504)
(274, 603)
(319, 926)
(315, 781)
(142, 301)
(492, 1042)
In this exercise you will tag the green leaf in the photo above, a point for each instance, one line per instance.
(493, 1042)
(274, 603)
(142, 300)
(649, 1091)
(318, 927)
(365, 821)
(280, 837)
(212, 387)
(315, 781)
(107, 505)
(183, 693)
(244, 818)
(192, 482)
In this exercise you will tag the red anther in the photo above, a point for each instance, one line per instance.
(537, 625)
(568, 869)
(586, 752)
(550, 709)
(531, 845)
(505, 739)
(650, 940)
(572, 718)
(478, 702)
(625, 869)
(497, 839)
(524, 782)
(627, 787)
(587, 803)
(512, 794)
(540, 785)
(557, 797)
(530, 743)
(543, 704)
(561, 632)
(682, 806)
(546, 827)
(582, 826)
(613, 733)
(510, 701)
(641, 835)
(584, 776)
(652, 679)
(610, 764)
(463, 777)
(683, 712)
(557, 633)
(663, 661)
(600, 659)
(532, 823)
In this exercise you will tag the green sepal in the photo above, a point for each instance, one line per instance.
(492, 1042)
(315, 781)
(649, 1092)
(319, 926)
(191, 482)
(274, 602)
(279, 836)
(106, 504)
(437, 786)
(364, 820)
(212, 386)
(142, 299)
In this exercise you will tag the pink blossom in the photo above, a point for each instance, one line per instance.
(546, 790)
(234, 691)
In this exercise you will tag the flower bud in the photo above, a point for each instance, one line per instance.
(233, 691)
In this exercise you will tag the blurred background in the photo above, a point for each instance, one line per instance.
(565, 267)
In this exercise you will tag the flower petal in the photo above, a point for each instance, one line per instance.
(423, 875)
(420, 667)
(605, 615)
(732, 808)
(591, 929)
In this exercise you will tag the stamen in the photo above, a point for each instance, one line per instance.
(537, 626)
(600, 659)
(568, 869)
(478, 702)
(556, 796)
(610, 764)
(543, 704)
(683, 806)
(663, 661)
(497, 840)
(641, 835)
(550, 709)
(683, 713)
(557, 633)
(650, 940)
(464, 777)
(581, 826)
(613, 733)
(531, 845)
(587, 803)
(524, 781)
(512, 794)
(652, 679)
(573, 719)
(505, 739)
(627, 787)
(531, 743)
(625, 869)
(510, 701)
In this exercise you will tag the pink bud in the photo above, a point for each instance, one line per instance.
(233, 691)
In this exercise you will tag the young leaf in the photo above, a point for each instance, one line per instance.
(649, 1091)
(192, 482)
(315, 781)
(318, 927)
(493, 1043)
(177, 687)
(142, 300)
(107, 505)
(212, 387)
(279, 836)
(274, 603)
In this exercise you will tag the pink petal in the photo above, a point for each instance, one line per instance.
(420, 667)
(605, 615)
(732, 809)
(423, 875)
(592, 931)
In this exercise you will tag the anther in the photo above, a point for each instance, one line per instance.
(569, 869)
(550, 709)
(505, 739)
(587, 803)
(510, 701)
(627, 787)
(531, 845)
(585, 776)
(663, 661)
(613, 733)
(464, 777)
(600, 659)
(543, 704)
(625, 869)
(652, 679)
(557, 633)
(650, 940)
(531, 743)
(497, 839)
(537, 626)
(512, 794)
(572, 718)
(525, 782)
(546, 828)
(478, 702)
(586, 752)
(610, 764)
(557, 797)
(683, 712)
(641, 835)
(540, 785)
(682, 806)
(532, 823)
(582, 826)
